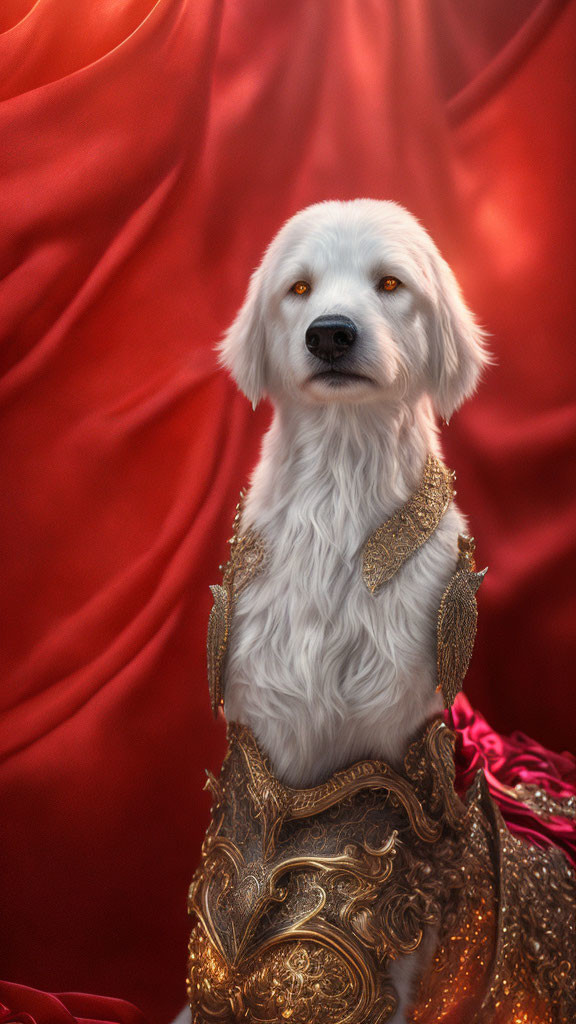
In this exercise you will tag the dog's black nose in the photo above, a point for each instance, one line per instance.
(330, 337)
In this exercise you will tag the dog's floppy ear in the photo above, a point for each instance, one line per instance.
(243, 348)
(457, 351)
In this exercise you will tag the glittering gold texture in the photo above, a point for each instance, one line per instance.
(389, 547)
(304, 897)
(457, 618)
(247, 558)
(542, 803)
(525, 971)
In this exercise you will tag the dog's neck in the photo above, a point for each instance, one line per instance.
(323, 671)
(362, 462)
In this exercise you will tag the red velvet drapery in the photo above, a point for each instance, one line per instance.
(150, 150)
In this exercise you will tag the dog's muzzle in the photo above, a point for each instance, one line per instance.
(330, 337)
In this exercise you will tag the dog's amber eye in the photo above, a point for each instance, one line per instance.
(388, 284)
(300, 288)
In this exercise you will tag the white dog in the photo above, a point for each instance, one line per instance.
(323, 671)
(355, 328)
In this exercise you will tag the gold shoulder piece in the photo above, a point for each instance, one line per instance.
(392, 544)
(429, 764)
(247, 555)
(457, 620)
(218, 633)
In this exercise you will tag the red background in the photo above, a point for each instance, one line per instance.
(149, 153)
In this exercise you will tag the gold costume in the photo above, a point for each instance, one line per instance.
(304, 897)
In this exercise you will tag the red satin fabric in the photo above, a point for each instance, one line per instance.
(24, 1005)
(150, 151)
(511, 760)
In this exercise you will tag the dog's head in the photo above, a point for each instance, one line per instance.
(354, 303)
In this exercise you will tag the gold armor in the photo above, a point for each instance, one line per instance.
(304, 897)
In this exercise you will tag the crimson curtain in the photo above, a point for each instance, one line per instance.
(149, 152)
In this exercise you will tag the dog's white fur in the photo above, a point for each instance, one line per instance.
(323, 671)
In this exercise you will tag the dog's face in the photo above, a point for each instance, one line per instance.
(353, 303)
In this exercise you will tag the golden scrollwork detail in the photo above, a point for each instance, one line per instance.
(283, 802)
(247, 558)
(542, 803)
(432, 773)
(304, 898)
(392, 544)
(457, 621)
(297, 981)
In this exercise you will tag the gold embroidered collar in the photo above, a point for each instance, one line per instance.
(393, 543)
(384, 554)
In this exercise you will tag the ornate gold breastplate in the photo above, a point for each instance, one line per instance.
(304, 897)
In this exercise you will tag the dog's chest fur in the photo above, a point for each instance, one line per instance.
(323, 671)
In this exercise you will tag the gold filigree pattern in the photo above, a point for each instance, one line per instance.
(505, 952)
(304, 897)
(457, 619)
(247, 558)
(297, 981)
(280, 803)
(429, 765)
(541, 802)
(217, 643)
(392, 544)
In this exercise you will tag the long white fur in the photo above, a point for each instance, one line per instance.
(323, 671)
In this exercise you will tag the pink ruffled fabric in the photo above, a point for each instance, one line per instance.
(511, 760)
